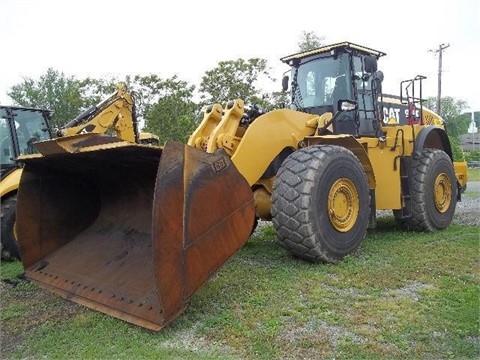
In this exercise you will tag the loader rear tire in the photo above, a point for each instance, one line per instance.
(434, 192)
(9, 244)
(320, 203)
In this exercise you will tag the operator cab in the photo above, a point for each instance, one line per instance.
(20, 128)
(325, 77)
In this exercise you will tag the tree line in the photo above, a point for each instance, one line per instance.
(167, 106)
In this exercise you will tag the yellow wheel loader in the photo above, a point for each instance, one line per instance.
(22, 127)
(134, 231)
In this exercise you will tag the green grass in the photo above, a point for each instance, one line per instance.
(474, 174)
(402, 295)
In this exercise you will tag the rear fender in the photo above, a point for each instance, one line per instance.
(433, 137)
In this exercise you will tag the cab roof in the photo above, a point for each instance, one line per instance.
(13, 107)
(328, 48)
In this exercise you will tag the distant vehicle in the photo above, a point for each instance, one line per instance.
(20, 127)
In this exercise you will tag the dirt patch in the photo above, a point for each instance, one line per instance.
(315, 339)
(410, 291)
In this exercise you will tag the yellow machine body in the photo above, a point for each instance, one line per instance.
(115, 114)
(380, 159)
(10, 183)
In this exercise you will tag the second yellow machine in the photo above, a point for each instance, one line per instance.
(134, 231)
(20, 127)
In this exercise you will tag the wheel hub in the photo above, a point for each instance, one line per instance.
(442, 192)
(343, 204)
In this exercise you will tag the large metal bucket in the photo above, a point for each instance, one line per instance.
(132, 231)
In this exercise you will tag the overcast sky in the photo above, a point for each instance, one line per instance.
(105, 38)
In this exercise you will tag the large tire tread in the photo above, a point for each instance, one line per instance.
(9, 245)
(293, 214)
(424, 217)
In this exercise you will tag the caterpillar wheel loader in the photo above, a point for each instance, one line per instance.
(22, 127)
(133, 231)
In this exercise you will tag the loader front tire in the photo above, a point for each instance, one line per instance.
(434, 192)
(9, 244)
(320, 203)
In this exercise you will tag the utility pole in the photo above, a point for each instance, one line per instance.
(440, 49)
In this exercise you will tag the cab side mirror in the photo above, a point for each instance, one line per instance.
(378, 79)
(285, 81)
(378, 75)
(370, 64)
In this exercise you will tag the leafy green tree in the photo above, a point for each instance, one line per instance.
(66, 96)
(240, 78)
(277, 100)
(452, 112)
(53, 91)
(234, 79)
(164, 105)
(472, 155)
(147, 89)
(456, 122)
(167, 106)
(96, 90)
(309, 41)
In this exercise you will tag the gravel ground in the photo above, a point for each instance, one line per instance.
(468, 210)
(466, 213)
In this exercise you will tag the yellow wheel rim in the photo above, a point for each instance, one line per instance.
(343, 204)
(442, 192)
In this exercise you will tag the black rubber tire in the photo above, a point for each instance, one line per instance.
(9, 244)
(399, 219)
(300, 213)
(426, 168)
(254, 226)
